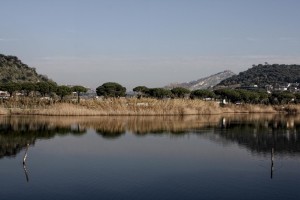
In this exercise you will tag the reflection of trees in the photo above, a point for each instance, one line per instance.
(259, 133)
(111, 127)
(110, 135)
(17, 132)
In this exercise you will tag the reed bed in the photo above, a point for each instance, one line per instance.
(134, 107)
(3, 111)
(248, 108)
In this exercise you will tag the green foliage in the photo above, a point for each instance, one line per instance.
(10, 87)
(248, 96)
(229, 94)
(241, 95)
(111, 89)
(79, 89)
(282, 97)
(297, 96)
(180, 92)
(43, 88)
(28, 87)
(13, 70)
(159, 93)
(63, 91)
(262, 75)
(141, 90)
(202, 94)
(52, 87)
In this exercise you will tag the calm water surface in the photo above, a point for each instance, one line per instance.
(195, 157)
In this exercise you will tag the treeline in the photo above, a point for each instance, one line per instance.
(264, 74)
(115, 90)
(42, 89)
(230, 95)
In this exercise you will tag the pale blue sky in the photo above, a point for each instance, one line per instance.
(148, 42)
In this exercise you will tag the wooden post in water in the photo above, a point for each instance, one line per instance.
(25, 171)
(24, 163)
(272, 162)
(25, 155)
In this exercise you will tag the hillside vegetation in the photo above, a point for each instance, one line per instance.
(13, 70)
(262, 75)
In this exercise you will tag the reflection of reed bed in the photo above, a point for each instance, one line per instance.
(107, 127)
(137, 124)
(34, 126)
(262, 118)
(144, 125)
(112, 124)
(261, 123)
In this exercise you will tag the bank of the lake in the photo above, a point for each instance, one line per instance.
(133, 106)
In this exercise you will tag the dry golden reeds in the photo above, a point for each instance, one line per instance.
(3, 111)
(134, 106)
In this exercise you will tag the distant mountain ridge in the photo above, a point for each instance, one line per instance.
(204, 83)
(262, 75)
(13, 70)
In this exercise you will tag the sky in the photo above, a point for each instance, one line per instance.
(148, 42)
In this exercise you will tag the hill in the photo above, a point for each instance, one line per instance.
(13, 70)
(204, 83)
(262, 75)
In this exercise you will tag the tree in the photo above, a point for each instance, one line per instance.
(283, 97)
(263, 97)
(180, 92)
(43, 88)
(297, 95)
(111, 89)
(10, 87)
(46, 88)
(52, 86)
(159, 93)
(229, 94)
(28, 87)
(141, 90)
(202, 94)
(78, 89)
(63, 91)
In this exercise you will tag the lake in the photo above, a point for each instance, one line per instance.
(192, 157)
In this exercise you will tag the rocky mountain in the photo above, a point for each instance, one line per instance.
(264, 74)
(13, 70)
(204, 83)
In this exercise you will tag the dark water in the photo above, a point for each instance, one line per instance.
(204, 157)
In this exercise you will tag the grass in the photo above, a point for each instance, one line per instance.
(133, 107)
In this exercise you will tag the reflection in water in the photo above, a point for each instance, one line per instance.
(25, 155)
(262, 134)
(24, 163)
(26, 172)
(259, 133)
(272, 162)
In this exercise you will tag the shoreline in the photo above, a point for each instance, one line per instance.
(140, 107)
